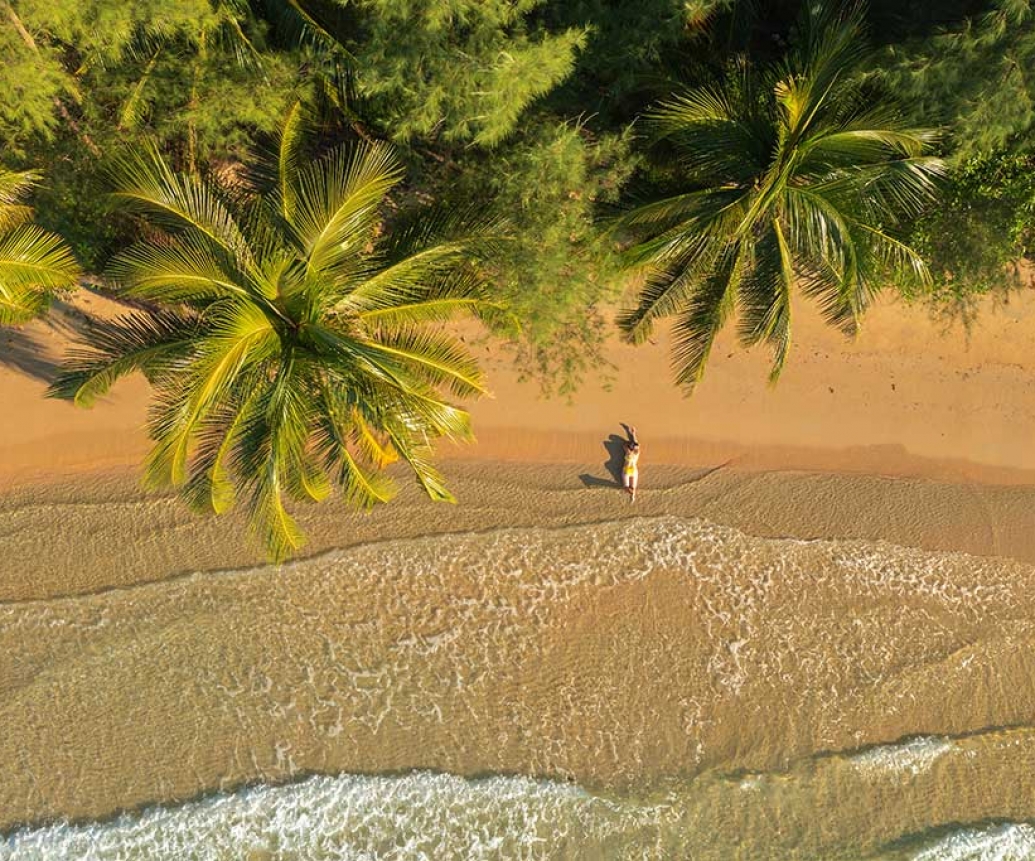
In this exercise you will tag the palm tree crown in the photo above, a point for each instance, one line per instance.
(797, 175)
(33, 261)
(287, 346)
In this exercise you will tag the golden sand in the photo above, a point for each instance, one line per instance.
(544, 625)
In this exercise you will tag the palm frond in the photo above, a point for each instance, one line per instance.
(706, 312)
(135, 105)
(211, 487)
(15, 185)
(337, 426)
(338, 199)
(31, 257)
(147, 342)
(289, 151)
(667, 286)
(417, 456)
(236, 335)
(435, 358)
(177, 201)
(414, 292)
(182, 271)
(716, 137)
(765, 296)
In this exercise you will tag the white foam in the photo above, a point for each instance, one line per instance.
(1007, 842)
(356, 818)
(911, 757)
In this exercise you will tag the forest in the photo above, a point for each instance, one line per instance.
(286, 192)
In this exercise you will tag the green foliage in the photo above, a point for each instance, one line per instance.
(633, 49)
(30, 81)
(795, 175)
(522, 105)
(287, 336)
(33, 262)
(91, 78)
(975, 79)
(555, 271)
(461, 70)
(982, 227)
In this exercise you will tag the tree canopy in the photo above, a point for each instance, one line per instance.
(763, 161)
(287, 333)
(788, 176)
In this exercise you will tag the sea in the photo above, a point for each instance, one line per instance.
(655, 688)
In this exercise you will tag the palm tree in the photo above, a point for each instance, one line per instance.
(797, 176)
(33, 261)
(287, 346)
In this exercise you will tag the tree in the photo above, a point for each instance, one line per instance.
(288, 346)
(82, 80)
(974, 78)
(462, 70)
(793, 177)
(554, 272)
(33, 261)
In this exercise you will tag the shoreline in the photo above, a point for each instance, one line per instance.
(99, 531)
(789, 582)
(909, 397)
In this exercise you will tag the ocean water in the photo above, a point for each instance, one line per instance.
(657, 688)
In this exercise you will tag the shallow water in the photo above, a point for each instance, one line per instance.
(662, 687)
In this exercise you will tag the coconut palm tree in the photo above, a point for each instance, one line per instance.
(33, 261)
(288, 344)
(795, 177)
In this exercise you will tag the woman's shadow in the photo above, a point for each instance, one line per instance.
(614, 445)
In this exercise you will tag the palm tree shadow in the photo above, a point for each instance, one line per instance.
(31, 350)
(26, 353)
(614, 445)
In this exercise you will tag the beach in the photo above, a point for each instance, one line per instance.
(810, 637)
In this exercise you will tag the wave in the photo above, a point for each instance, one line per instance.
(649, 657)
(995, 841)
(913, 756)
(356, 818)
(1007, 842)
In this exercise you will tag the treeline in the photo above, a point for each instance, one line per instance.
(287, 192)
(527, 106)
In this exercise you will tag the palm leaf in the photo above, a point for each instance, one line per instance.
(338, 199)
(148, 342)
(706, 312)
(236, 336)
(176, 201)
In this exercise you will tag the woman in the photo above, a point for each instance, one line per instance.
(630, 470)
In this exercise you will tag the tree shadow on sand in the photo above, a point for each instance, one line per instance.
(32, 349)
(614, 445)
(26, 353)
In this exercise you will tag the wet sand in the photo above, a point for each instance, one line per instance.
(544, 626)
(637, 658)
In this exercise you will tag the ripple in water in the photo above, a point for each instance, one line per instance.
(356, 818)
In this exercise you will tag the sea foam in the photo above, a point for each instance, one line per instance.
(1005, 842)
(356, 818)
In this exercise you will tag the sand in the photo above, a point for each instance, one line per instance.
(149, 655)
(912, 395)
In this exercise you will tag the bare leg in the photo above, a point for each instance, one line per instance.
(634, 479)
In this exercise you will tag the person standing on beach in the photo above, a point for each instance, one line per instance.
(630, 470)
